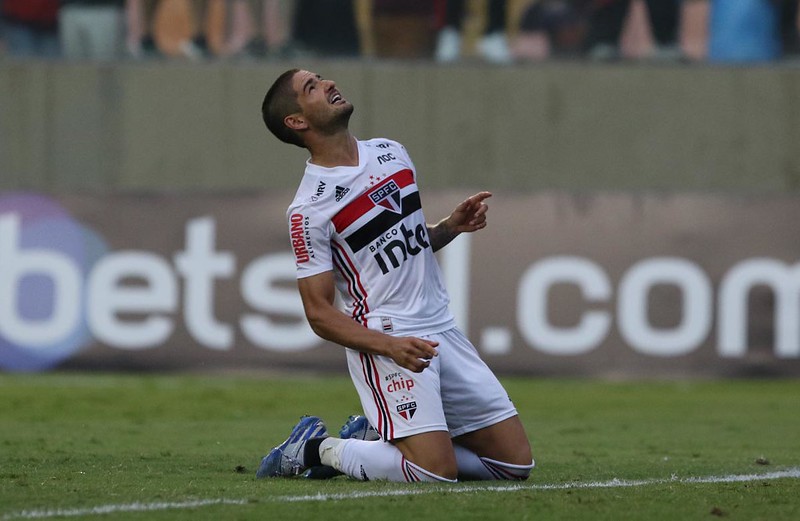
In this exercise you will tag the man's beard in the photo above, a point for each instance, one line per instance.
(342, 118)
(338, 121)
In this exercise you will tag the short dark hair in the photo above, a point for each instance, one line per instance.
(281, 101)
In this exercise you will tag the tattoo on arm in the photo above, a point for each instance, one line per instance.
(440, 235)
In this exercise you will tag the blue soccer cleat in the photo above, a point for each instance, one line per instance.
(358, 428)
(287, 459)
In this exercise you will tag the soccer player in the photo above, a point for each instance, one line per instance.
(357, 226)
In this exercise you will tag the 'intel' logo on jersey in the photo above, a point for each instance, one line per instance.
(397, 251)
(387, 196)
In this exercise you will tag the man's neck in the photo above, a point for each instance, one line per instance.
(337, 150)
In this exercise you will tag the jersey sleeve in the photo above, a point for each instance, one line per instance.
(407, 158)
(310, 238)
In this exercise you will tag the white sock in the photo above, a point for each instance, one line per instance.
(473, 467)
(370, 460)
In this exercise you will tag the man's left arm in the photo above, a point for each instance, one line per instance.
(468, 216)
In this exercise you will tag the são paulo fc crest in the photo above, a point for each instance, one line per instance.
(387, 196)
(407, 409)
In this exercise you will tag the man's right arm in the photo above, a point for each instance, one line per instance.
(318, 292)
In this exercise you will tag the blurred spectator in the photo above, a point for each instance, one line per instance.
(176, 29)
(492, 46)
(790, 39)
(694, 29)
(552, 28)
(92, 29)
(744, 31)
(326, 28)
(403, 28)
(196, 29)
(30, 28)
(187, 29)
(607, 20)
(229, 27)
(137, 37)
(275, 24)
(250, 28)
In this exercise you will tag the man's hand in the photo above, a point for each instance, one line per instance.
(468, 216)
(412, 353)
(317, 293)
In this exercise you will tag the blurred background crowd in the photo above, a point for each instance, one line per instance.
(498, 31)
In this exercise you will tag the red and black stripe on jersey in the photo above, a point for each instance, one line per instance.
(385, 425)
(354, 285)
(382, 222)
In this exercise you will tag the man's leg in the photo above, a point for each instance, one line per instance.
(504, 441)
(501, 451)
(490, 440)
(432, 451)
(498, 452)
(421, 457)
(406, 410)
(310, 447)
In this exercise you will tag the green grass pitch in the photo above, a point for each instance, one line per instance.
(92, 446)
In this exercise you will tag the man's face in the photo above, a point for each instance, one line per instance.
(320, 102)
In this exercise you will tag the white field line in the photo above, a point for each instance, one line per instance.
(793, 473)
(113, 509)
(613, 483)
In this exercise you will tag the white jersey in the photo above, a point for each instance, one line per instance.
(365, 223)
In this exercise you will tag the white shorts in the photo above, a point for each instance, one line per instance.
(456, 393)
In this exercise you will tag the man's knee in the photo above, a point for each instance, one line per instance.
(505, 441)
(444, 470)
(520, 453)
(519, 463)
(431, 451)
(439, 462)
(512, 471)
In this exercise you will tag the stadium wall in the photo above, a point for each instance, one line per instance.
(167, 126)
(643, 222)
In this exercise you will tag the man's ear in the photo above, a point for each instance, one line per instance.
(295, 122)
